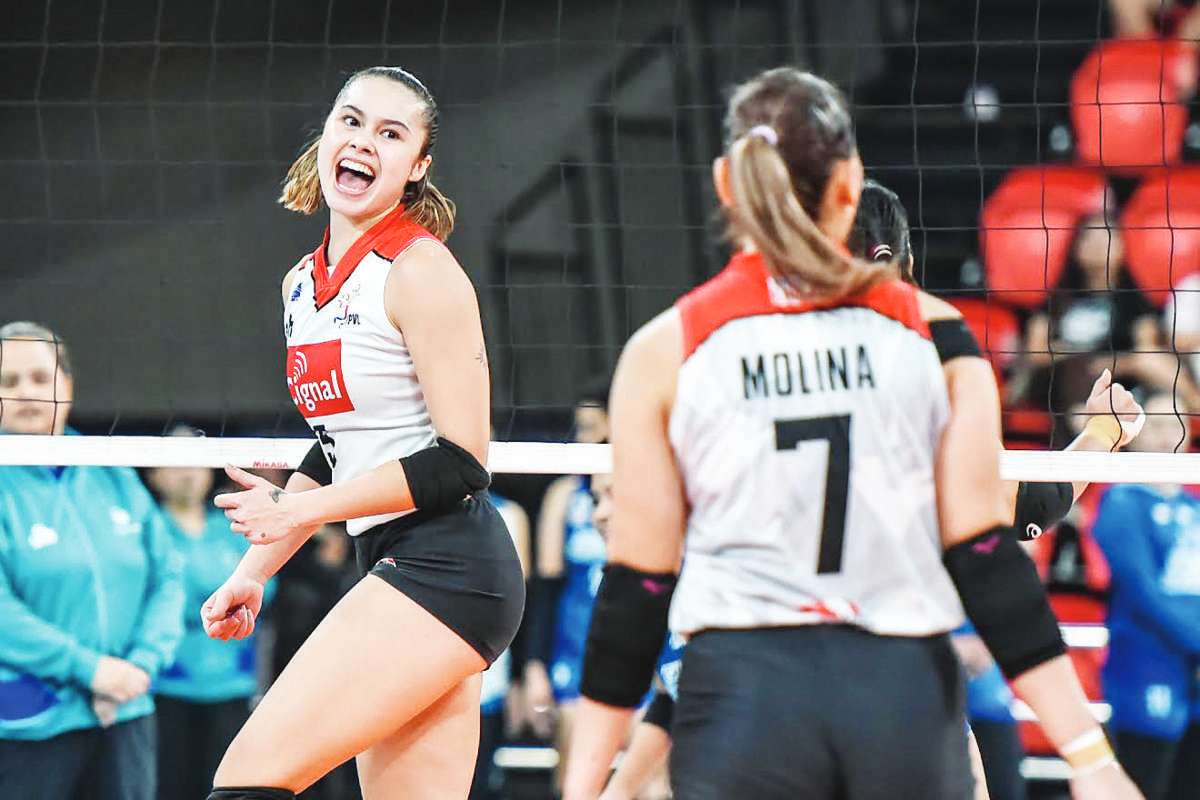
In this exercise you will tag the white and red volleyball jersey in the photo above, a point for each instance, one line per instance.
(806, 435)
(348, 369)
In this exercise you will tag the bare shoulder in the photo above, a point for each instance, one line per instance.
(426, 262)
(429, 271)
(649, 366)
(659, 342)
(935, 308)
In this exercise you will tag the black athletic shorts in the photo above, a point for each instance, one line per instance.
(821, 713)
(458, 565)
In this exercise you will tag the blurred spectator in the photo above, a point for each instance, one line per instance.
(310, 584)
(989, 702)
(204, 697)
(1143, 18)
(569, 564)
(642, 772)
(1181, 323)
(1151, 537)
(1095, 310)
(497, 679)
(91, 599)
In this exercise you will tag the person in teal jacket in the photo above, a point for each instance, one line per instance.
(204, 697)
(90, 596)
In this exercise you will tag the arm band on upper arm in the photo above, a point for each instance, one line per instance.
(442, 475)
(1041, 506)
(541, 616)
(316, 466)
(953, 338)
(661, 711)
(629, 623)
(1005, 600)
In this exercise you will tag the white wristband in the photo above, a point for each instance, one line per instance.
(1130, 430)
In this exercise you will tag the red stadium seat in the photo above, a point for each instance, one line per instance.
(1125, 103)
(1096, 574)
(1078, 609)
(996, 328)
(1027, 225)
(1161, 229)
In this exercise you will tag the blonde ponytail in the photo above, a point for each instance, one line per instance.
(302, 187)
(768, 212)
(431, 209)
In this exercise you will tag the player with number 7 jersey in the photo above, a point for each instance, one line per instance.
(809, 494)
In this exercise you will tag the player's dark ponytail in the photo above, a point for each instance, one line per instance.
(785, 131)
(426, 205)
(881, 231)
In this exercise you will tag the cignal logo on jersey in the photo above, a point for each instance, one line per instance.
(316, 380)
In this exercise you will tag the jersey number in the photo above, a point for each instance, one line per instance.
(327, 444)
(836, 431)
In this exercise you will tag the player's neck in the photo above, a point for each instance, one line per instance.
(343, 231)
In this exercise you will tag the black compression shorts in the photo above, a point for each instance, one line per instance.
(823, 712)
(459, 565)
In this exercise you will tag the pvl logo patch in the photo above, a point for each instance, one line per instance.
(315, 379)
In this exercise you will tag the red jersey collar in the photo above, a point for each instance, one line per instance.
(327, 286)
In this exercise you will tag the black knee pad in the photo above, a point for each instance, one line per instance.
(251, 793)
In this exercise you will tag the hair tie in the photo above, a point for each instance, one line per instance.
(766, 133)
(880, 251)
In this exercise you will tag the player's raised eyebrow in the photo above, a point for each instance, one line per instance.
(359, 111)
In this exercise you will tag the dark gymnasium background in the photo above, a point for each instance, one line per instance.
(144, 143)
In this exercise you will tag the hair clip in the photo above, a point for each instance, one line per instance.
(766, 133)
(880, 252)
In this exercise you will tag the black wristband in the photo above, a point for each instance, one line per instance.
(316, 466)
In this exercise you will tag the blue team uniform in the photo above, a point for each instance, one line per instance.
(208, 670)
(87, 569)
(988, 696)
(670, 661)
(583, 567)
(1152, 676)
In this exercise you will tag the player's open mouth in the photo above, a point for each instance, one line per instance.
(354, 177)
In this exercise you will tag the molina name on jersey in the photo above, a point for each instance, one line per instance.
(807, 435)
(348, 369)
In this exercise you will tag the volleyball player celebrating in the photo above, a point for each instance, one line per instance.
(386, 360)
(792, 415)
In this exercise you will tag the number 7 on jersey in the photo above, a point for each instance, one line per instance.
(836, 431)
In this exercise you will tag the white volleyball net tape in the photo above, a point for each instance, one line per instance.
(532, 458)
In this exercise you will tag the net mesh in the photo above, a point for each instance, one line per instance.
(145, 141)
(1044, 167)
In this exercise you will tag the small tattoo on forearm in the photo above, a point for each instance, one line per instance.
(274, 494)
(481, 356)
